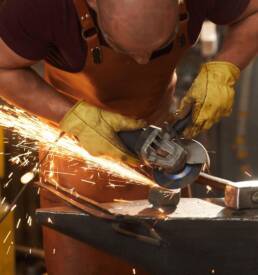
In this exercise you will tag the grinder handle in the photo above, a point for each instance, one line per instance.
(181, 124)
(130, 138)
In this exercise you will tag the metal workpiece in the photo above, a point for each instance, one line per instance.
(163, 197)
(198, 237)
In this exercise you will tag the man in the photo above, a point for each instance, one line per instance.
(115, 58)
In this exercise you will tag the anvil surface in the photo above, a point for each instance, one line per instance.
(199, 237)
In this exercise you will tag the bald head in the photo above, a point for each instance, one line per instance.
(137, 27)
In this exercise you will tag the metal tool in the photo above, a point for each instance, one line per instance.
(177, 162)
(238, 195)
(123, 224)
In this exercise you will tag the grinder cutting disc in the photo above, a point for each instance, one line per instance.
(197, 156)
(189, 174)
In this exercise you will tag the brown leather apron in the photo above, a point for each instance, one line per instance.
(118, 84)
(114, 82)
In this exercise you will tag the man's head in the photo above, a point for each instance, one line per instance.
(137, 27)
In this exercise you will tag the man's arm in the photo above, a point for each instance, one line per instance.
(241, 42)
(95, 129)
(212, 93)
(23, 87)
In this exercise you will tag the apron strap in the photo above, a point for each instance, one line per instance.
(183, 11)
(89, 30)
(183, 38)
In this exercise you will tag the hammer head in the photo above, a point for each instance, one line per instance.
(241, 195)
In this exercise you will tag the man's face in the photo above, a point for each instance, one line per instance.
(137, 27)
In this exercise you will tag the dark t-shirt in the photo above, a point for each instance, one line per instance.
(50, 29)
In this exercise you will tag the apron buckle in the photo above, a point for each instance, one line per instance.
(97, 55)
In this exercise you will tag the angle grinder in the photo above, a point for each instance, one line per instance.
(176, 162)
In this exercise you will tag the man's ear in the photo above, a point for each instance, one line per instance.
(92, 4)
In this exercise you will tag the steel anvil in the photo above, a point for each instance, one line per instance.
(198, 237)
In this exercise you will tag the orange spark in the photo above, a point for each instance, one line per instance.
(30, 127)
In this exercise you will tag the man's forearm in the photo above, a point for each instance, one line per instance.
(24, 88)
(241, 42)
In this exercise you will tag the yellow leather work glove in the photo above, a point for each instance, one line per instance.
(211, 96)
(96, 131)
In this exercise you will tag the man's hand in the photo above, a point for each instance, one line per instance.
(96, 131)
(211, 96)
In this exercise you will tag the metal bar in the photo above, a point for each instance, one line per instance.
(89, 208)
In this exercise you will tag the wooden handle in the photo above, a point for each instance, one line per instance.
(213, 181)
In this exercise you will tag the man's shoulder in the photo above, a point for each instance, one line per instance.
(57, 6)
(198, 12)
(39, 7)
(55, 3)
(199, 8)
(32, 7)
(218, 11)
(29, 27)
